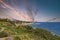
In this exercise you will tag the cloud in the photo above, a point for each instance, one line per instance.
(14, 11)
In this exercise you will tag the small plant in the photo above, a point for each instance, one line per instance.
(17, 38)
(3, 34)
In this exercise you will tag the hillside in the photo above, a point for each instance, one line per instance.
(23, 32)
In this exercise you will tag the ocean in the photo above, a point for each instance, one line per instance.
(53, 27)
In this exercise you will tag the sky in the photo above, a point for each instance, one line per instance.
(29, 10)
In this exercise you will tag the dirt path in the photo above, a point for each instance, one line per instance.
(6, 38)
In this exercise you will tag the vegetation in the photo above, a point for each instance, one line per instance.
(24, 32)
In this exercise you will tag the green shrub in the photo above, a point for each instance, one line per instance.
(3, 34)
(17, 38)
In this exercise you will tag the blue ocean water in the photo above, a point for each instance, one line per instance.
(53, 27)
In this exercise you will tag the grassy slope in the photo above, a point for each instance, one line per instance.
(24, 32)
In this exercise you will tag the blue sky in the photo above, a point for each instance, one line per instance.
(48, 9)
(43, 10)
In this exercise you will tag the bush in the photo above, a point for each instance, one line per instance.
(3, 34)
(17, 38)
